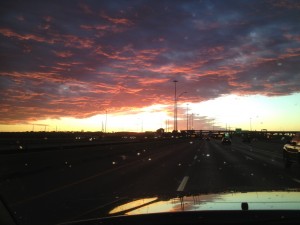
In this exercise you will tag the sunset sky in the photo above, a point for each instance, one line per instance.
(81, 65)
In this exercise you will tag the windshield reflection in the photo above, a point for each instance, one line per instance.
(226, 201)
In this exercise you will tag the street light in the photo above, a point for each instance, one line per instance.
(175, 107)
(187, 117)
(105, 119)
(175, 104)
(192, 122)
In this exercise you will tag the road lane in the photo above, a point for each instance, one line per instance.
(237, 168)
(94, 179)
(68, 166)
(144, 174)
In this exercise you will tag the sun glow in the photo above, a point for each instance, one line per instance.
(254, 112)
(136, 120)
(230, 111)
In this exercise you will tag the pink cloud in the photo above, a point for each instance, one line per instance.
(63, 54)
(285, 4)
(85, 8)
(95, 27)
(121, 21)
(291, 37)
(9, 33)
(76, 42)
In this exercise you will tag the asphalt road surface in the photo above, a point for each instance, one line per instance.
(56, 186)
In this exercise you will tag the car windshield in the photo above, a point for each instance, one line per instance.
(109, 104)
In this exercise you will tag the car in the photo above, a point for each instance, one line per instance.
(246, 138)
(226, 141)
(207, 138)
(291, 151)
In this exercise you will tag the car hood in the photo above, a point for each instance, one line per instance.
(275, 200)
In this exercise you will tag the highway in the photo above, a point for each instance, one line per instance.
(56, 186)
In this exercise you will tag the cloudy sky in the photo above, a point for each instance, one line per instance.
(67, 61)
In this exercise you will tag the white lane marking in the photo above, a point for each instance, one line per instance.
(183, 183)
(297, 180)
(195, 157)
(247, 157)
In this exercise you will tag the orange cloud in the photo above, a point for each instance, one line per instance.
(147, 81)
(173, 69)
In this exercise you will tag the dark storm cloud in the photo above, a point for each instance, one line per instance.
(77, 58)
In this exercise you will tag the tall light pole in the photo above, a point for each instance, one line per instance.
(187, 117)
(105, 120)
(175, 107)
(176, 103)
(192, 127)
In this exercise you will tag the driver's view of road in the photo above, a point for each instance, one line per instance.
(102, 177)
(149, 112)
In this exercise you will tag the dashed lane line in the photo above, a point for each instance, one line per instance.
(296, 180)
(247, 157)
(183, 183)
